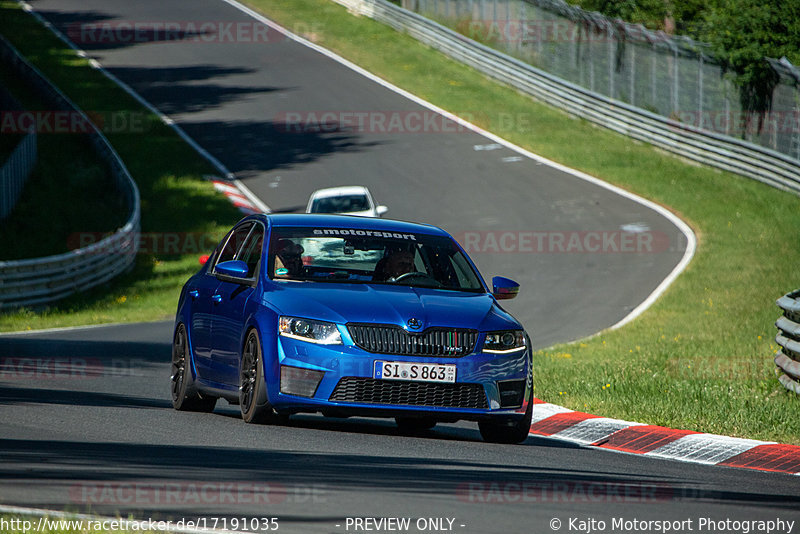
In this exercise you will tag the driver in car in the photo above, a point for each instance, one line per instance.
(397, 263)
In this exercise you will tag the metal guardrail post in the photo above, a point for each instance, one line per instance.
(788, 358)
(43, 280)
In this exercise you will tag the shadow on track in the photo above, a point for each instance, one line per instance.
(150, 467)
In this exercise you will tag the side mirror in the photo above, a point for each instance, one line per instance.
(231, 269)
(504, 288)
(380, 210)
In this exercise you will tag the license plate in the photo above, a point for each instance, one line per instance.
(418, 372)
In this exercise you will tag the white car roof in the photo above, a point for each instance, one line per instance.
(339, 191)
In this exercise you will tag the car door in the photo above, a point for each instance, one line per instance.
(208, 305)
(200, 293)
(231, 298)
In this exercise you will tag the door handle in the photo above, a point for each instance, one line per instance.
(194, 294)
(217, 298)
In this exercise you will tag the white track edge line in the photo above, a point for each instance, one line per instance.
(78, 327)
(691, 240)
(691, 244)
(139, 98)
(680, 224)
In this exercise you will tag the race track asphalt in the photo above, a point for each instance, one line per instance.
(87, 423)
(249, 101)
(99, 435)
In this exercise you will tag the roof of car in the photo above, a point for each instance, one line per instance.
(315, 220)
(337, 191)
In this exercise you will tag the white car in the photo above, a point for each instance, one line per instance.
(350, 200)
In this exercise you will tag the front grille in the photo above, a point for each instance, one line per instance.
(389, 339)
(401, 393)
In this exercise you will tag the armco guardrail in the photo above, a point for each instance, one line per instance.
(15, 170)
(788, 358)
(42, 280)
(717, 150)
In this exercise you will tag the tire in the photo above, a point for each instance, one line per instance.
(414, 424)
(253, 399)
(516, 433)
(185, 396)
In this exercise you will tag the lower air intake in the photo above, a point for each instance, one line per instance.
(401, 393)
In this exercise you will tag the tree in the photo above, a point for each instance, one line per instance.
(743, 32)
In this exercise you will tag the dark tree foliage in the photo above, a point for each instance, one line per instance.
(741, 34)
(650, 13)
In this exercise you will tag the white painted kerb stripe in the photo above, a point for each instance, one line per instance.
(592, 430)
(545, 410)
(705, 448)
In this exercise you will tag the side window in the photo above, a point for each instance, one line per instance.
(251, 251)
(235, 241)
(465, 275)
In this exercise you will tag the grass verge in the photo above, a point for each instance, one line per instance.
(176, 201)
(69, 182)
(701, 357)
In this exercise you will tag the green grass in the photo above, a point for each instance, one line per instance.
(69, 182)
(175, 198)
(701, 357)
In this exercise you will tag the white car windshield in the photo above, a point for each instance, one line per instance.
(369, 257)
(340, 204)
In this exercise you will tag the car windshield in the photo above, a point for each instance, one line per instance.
(370, 257)
(340, 204)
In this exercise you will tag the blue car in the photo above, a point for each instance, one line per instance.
(351, 316)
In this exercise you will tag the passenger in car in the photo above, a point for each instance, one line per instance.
(288, 261)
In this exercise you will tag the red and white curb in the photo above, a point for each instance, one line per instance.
(553, 421)
(238, 198)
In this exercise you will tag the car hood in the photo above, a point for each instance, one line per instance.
(385, 304)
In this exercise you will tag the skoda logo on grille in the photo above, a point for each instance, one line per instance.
(414, 323)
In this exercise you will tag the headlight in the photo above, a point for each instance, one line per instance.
(308, 330)
(504, 342)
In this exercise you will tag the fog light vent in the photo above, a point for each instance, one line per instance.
(300, 382)
(511, 393)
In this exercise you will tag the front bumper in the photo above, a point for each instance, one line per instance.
(347, 386)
